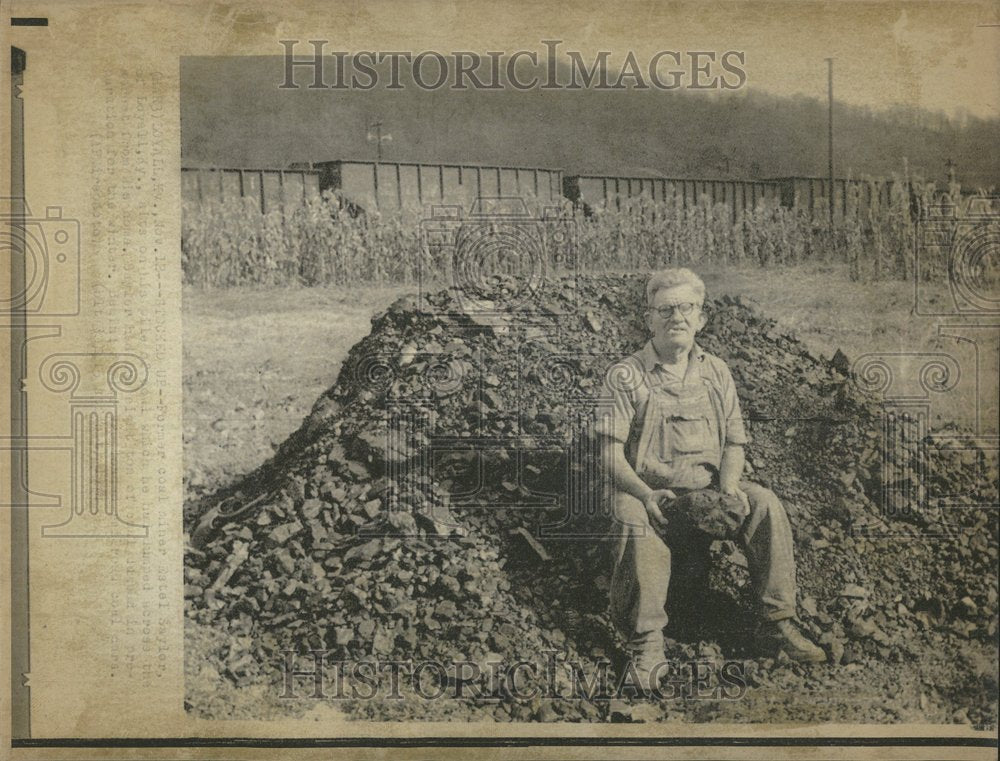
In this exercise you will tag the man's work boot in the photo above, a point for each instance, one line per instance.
(785, 635)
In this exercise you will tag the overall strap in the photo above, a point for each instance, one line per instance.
(715, 395)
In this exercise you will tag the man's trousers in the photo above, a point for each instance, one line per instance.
(641, 574)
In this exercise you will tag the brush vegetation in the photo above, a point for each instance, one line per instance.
(326, 241)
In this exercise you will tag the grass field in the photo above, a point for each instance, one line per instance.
(255, 359)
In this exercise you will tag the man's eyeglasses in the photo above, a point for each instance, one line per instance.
(667, 311)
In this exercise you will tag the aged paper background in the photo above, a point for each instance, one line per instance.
(102, 125)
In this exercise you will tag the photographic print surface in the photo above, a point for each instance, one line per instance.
(576, 380)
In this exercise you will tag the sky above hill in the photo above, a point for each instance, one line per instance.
(940, 56)
(908, 79)
(937, 56)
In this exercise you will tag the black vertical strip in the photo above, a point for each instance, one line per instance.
(20, 661)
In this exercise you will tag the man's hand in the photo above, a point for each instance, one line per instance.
(652, 504)
(733, 490)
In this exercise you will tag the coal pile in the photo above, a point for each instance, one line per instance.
(444, 500)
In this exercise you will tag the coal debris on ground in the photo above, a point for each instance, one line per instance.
(348, 541)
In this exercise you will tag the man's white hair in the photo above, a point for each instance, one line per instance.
(671, 277)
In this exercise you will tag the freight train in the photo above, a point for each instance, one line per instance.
(392, 185)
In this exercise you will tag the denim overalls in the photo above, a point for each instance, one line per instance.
(682, 433)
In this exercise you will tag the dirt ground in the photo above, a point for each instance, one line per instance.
(256, 360)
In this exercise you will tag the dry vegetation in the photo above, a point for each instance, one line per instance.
(320, 242)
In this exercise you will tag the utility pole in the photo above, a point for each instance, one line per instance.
(829, 133)
(378, 138)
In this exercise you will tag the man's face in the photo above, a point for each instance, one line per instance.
(671, 328)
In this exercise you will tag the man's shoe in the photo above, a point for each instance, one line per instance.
(785, 635)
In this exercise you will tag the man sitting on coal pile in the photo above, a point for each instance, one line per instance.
(676, 439)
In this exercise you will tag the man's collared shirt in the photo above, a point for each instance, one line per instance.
(673, 429)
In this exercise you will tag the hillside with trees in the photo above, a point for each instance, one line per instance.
(234, 114)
